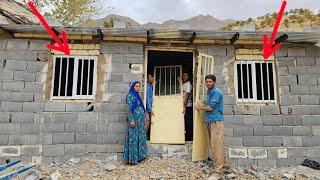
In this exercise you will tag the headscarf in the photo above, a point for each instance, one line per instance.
(137, 97)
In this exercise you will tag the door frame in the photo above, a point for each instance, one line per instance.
(193, 50)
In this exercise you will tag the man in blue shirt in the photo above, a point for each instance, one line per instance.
(150, 80)
(214, 120)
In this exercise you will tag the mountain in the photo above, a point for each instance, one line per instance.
(199, 22)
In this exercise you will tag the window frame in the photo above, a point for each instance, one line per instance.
(75, 78)
(254, 100)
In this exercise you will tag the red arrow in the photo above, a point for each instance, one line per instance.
(268, 49)
(61, 46)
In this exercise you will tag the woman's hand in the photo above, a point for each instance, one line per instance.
(133, 124)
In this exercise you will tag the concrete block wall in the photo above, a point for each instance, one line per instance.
(256, 134)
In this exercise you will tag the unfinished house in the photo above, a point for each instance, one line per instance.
(55, 107)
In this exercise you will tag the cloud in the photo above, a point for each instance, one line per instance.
(161, 10)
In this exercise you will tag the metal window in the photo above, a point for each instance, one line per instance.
(168, 80)
(255, 81)
(74, 77)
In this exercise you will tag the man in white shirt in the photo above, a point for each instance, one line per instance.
(188, 106)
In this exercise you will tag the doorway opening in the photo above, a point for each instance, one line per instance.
(170, 123)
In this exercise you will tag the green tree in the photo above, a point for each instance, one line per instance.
(73, 12)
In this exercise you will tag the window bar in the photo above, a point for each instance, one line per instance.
(60, 76)
(67, 74)
(89, 63)
(75, 77)
(241, 81)
(248, 80)
(165, 81)
(261, 75)
(268, 81)
(170, 80)
(82, 63)
(175, 80)
(160, 81)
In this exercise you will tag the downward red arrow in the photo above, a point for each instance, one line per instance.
(61, 46)
(268, 49)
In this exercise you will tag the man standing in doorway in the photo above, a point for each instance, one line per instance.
(150, 80)
(214, 120)
(187, 105)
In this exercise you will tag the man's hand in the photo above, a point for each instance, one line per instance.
(132, 124)
(199, 106)
(152, 114)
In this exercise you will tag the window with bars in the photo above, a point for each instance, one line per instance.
(255, 81)
(74, 77)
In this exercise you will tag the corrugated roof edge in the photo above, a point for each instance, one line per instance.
(311, 37)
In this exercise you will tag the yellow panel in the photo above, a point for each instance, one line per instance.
(168, 123)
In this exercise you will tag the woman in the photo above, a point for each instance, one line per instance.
(135, 148)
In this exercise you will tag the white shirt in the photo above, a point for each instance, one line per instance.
(187, 87)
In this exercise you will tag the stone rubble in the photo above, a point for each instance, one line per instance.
(162, 168)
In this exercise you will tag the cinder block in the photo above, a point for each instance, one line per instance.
(53, 150)
(233, 141)
(4, 140)
(54, 107)
(257, 153)
(297, 152)
(217, 51)
(135, 48)
(11, 151)
(63, 138)
(37, 66)
(133, 58)
(30, 151)
(282, 131)
(38, 45)
(5, 96)
(114, 48)
(272, 120)
(269, 163)
(116, 127)
(3, 44)
(282, 52)
(311, 141)
(19, 139)
(11, 107)
(115, 148)
(118, 87)
(313, 152)
(238, 153)
(92, 128)
(316, 130)
(22, 55)
(86, 139)
(293, 52)
(253, 141)
(15, 65)
(12, 86)
(116, 77)
(30, 128)
(53, 128)
(247, 110)
(286, 61)
(314, 90)
(228, 131)
(263, 131)
(315, 110)
(24, 76)
(313, 70)
(107, 138)
(306, 61)
(284, 90)
(76, 107)
(299, 90)
(309, 100)
(301, 110)
(6, 75)
(286, 162)
(252, 120)
(96, 148)
(34, 87)
(298, 70)
(129, 77)
(313, 51)
(302, 131)
(117, 58)
(288, 80)
(22, 117)
(75, 128)
(283, 71)
(311, 120)
(110, 117)
(307, 80)
(292, 141)
(33, 107)
(5, 117)
(46, 139)
(18, 45)
(272, 141)
(247, 162)
(243, 131)
(22, 97)
(88, 117)
(291, 120)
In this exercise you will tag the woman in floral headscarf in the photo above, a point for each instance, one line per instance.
(135, 147)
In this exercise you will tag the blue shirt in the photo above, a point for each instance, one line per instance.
(215, 101)
(149, 97)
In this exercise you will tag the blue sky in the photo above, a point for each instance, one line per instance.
(161, 10)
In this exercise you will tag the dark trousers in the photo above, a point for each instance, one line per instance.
(188, 123)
